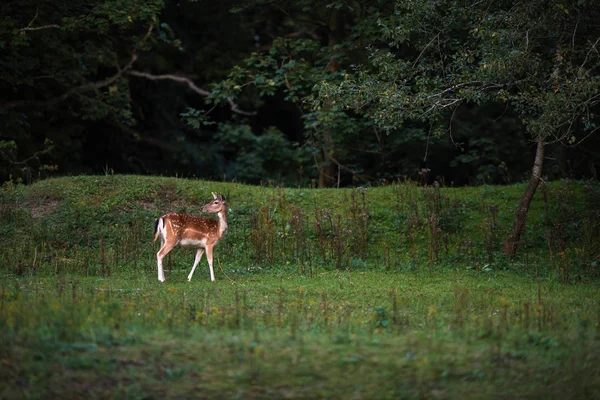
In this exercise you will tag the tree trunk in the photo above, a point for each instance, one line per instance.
(327, 170)
(511, 244)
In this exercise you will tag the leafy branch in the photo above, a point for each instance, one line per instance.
(76, 90)
(81, 88)
(8, 150)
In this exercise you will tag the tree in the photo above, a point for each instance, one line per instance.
(66, 60)
(301, 44)
(539, 58)
(70, 83)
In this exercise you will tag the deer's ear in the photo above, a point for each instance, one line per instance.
(222, 198)
(214, 195)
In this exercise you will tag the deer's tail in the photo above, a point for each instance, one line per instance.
(158, 227)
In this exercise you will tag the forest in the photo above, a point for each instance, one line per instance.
(310, 92)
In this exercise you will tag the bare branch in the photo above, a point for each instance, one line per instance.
(38, 28)
(170, 77)
(125, 70)
(425, 48)
(427, 142)
(182, 79)
(452, 88)
(235, 108)
(587, 56)
(443, 103)
(450, 127)
(148, 33)
(577, 143)
(347, 169)
(575, 31)
(476, 3)
(110, 80)
(37, 11)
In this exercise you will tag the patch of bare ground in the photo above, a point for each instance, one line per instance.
(171, 201)
(168, 193)
(147, 205)
(40, 207)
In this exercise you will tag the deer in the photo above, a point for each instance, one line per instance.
(188, 230)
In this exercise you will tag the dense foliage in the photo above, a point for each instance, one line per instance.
(536, 60)
(451, 91)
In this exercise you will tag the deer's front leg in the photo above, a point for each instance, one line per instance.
(209, 256)
(196, 261)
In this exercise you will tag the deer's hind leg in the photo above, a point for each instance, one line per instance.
(166, 247)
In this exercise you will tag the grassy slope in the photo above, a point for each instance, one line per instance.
(70, 212)
(81, 311)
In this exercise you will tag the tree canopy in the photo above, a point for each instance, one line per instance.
(539, 58)
(333, 92)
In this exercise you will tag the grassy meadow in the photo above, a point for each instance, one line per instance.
(398, 291)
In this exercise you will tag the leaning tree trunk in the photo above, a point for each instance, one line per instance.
(511, 244)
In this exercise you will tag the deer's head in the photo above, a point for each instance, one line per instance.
(217, 205)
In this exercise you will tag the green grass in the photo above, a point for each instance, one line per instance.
(367, 334)
(303, 307)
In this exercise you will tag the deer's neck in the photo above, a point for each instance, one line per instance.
(222, 222)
